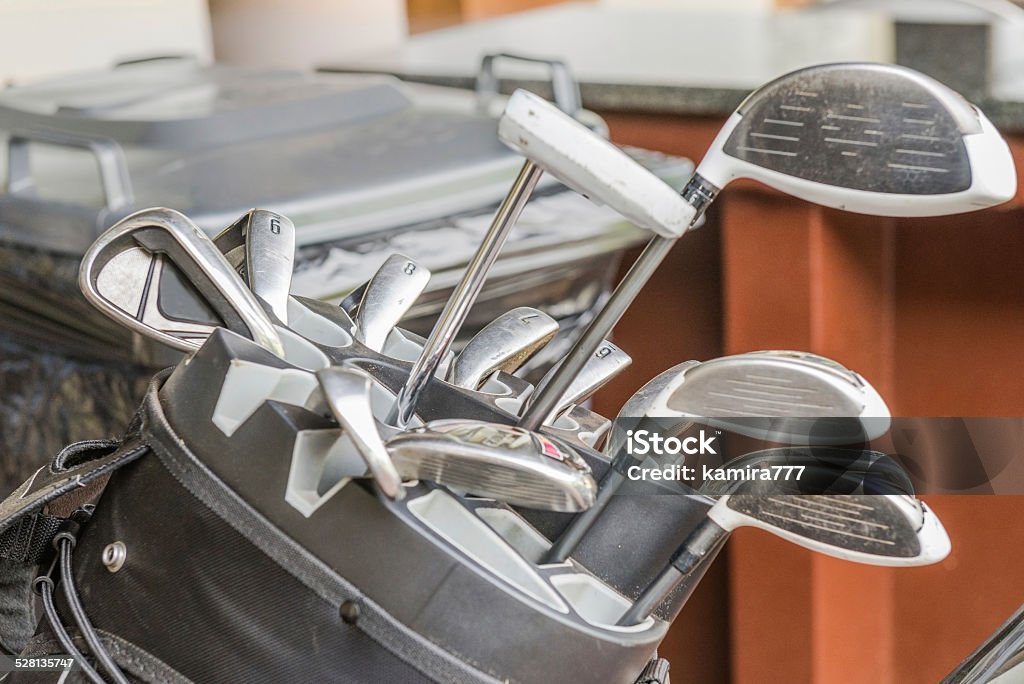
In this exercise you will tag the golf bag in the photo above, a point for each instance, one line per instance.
(180, 562)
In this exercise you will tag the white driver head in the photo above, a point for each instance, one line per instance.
(869, 138)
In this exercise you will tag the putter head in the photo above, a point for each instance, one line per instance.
(603, 365)
(504, 344)
(386, 297)
(260, 246)
(877, 530)
(500, 462)
(782, 396)
(158, 274)
(591, 165)
(868, 138)
(347, 392)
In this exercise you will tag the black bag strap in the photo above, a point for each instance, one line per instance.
(34, 513)
(30, 516)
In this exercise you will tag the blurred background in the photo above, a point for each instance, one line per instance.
(931, 311)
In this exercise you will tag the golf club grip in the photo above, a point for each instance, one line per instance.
(547, 399)
(704, 539)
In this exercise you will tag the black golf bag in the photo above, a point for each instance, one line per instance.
(196, 549)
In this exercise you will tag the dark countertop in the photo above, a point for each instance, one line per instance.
(627, 60)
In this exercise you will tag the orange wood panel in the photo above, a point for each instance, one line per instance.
(960, 315)
(483, 9)
(931, 311)
(677, 317)
(428, 15)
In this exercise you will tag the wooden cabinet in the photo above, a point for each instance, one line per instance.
(932, 312)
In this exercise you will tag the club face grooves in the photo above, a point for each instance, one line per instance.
(862, 127)
(870, 525)
(495, 461)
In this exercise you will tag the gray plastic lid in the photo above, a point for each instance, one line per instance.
(184, 105)
(341, 155)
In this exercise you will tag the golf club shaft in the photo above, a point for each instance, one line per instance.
(567, 542)
(465, 294)
(548, 397)
(698, 546)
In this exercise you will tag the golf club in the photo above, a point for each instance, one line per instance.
(819, 470)
(868, 138)
(779, 396)
(776, 396)
(347, 392)
(134, 271)
(504, 344)
(261, 247)
(605, 363)
(553, 142)
(876, 530)
(496, 461)
(387, 297)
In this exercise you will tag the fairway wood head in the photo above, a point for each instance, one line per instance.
(504, 344)
(347, 392)
(877, 530)
(260, 245)
(387, 297)
(868, 138)
(591, 165)
(158, 274)
(642, 403)
(500, 462)
(788, 397)
(603, 365)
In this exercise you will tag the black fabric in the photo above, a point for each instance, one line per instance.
(27, 527)
(17, 605)
(138, 665)
(29, 538)
(49, 484)
(388, 634)
(200, 597)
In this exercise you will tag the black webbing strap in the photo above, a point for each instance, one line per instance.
(29, 539)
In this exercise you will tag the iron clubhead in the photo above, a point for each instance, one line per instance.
(386, 297)
(158, 274)
(501, 462)
(260, 245)
(504, 344)
(603, 365)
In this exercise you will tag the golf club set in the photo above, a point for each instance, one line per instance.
(322, 476)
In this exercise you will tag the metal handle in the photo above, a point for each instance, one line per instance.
(114, 178)
(564, 88)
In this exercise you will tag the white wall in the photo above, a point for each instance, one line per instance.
(304, 33)
(40, 38)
